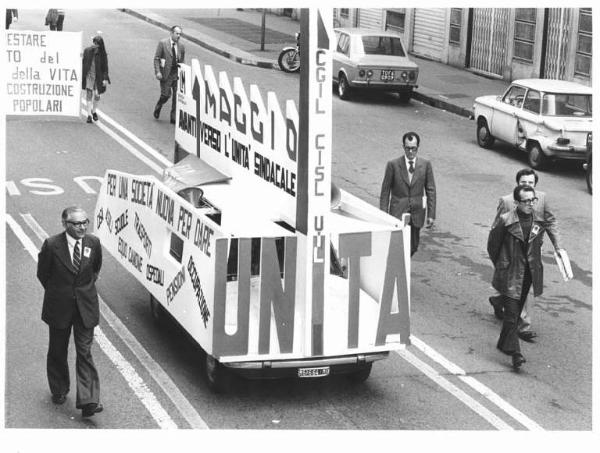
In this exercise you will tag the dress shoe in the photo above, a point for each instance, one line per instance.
(172, 120)
(527, 335)
(498, 312)
(518, 360)
(157, 111)
(90, 409)
(89, 119)
(59, 398)
(94, 116)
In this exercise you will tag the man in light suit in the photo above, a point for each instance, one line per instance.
(169, 53)
(407, 181)
(542, 210)
(68, 267)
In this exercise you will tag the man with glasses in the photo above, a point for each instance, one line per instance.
(408, 187)
(515, 247)
(543, 210)
(68, 267)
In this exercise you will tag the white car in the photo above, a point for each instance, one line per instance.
(372, 60)
(549, 119)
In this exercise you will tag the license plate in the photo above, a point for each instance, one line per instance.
(313, 372)
(387, 75)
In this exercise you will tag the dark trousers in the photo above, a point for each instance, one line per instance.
(59, 23)
(509, 335)
(168, 89)
(88, 383)
(415, 234)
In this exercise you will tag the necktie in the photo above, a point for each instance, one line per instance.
(411, 167)
(76, 256)
(174, 53)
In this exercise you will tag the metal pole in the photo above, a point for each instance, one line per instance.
(262, 30)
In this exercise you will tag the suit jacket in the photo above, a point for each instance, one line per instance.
(398, 195)
(541, 209)
(163, 51)
(101, 66)
(510, 254)
(66, 289)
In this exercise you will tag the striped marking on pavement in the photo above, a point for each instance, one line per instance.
(131, 376)
(475, 385)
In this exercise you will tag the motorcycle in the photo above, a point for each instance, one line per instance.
(289, 57)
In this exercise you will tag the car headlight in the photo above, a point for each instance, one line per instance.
(361, 73)
(589, 141)
(404, 75)
(412, 75)
(369, 74)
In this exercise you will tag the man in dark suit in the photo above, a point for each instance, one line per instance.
(169, 52)
(408, 187)
(68, 267)
(542, 209)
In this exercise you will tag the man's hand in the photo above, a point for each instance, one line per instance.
(430, 222)
(158, 76)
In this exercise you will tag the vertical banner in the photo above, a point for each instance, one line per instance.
(314, 163)
(42, 73)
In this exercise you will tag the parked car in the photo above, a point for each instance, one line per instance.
(549, 119)
(372, 60)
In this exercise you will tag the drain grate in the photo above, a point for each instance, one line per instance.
(243, 30)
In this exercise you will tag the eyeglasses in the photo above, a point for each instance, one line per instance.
(411, 148)
(529, 201)
(83, 223)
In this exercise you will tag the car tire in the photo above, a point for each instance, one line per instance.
(536, 157)
(343, 88)
(485, 139)
(588, 176)
(216, 375)
(361, 375)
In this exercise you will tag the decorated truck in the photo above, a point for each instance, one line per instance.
(246, 243)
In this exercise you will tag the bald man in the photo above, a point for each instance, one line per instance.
(408, 187)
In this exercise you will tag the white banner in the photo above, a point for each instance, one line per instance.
(43, 72)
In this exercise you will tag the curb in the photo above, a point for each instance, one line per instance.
(265, 64)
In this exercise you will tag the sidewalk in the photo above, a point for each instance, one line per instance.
(236, 35)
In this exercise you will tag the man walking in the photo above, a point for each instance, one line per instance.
(408, 187)
(514, 246)
(68, 267)
(169, 53)
(528, 177)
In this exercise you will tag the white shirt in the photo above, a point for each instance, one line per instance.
(71, 241)
(407, 160)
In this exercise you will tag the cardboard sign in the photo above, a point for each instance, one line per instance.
(43, 72)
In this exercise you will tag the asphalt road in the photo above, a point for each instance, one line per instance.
(450, 275)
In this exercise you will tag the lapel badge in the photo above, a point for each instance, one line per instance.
(86, 252)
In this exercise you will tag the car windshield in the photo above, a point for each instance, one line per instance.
(562, 104)
(382, 45)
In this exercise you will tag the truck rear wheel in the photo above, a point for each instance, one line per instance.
(362, 374)
(216, 375)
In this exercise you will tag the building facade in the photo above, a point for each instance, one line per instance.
(507, 43)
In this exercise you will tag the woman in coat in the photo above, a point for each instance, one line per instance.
(514, 246)
(94, 75)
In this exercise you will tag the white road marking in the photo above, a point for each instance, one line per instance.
(12, 188)
(158, 156)
(476, 385)
(490, 417)
(133, 379)
(157, 168)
